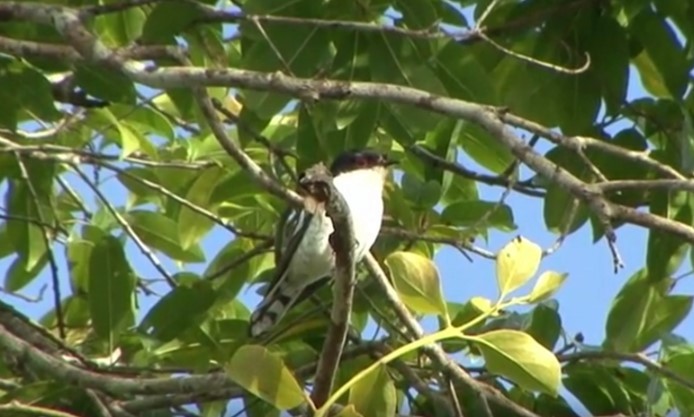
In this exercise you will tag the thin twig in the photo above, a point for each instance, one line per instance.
(57, 298)
(639, 358)
(454, 167)
(522, 57)
(127, 228)
(192, 206)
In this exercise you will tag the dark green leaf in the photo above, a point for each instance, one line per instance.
(598, 388)
(642, 313)
(111, 288)
(481, 214)
(178, 310)
(169, 19)
(105, 83)
(544, 324)
(665, 251)
(610, 60)
(663, 50)
(423, 195)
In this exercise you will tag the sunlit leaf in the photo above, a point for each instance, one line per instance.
(374, 395)
(516, 263)
(264, 374)
(416, 280)
(548, 283)
(517, 356)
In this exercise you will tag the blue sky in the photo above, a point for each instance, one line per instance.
(584, 299)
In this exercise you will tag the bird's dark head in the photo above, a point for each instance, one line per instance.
(353, 160)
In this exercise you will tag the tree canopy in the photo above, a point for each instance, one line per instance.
(134, 131)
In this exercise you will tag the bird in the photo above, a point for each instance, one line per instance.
(307, 259)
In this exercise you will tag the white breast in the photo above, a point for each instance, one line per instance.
(363, 193)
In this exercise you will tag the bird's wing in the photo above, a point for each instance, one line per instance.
(293, 224)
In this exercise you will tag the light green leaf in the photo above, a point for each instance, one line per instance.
(348, 411)
(161, 233)
(548, 283)
(516, 263)
(111, 287)
(642, 313)
(416, 280)
(263, 374)
(374, 395)
(517, 356)
(192, 225)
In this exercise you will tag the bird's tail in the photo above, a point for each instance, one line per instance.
(277, 302)
(273, 307)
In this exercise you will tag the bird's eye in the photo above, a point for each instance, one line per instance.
(360, 161)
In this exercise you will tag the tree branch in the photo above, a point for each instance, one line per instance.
(435, 352)
(317, 181)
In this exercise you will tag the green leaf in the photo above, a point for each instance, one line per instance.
(642, 313)
(229, 283)
(105, 83)
(665, 251)
(548, 283)
(160, 232)
(28, 238)
(680, 360)
(111, 288)
(463, 75)
(416, 280)
(516, 263)
(480, 214)
(544, 324)
(484, 148)
(424, 195)
(663, 50)
(122, 28)
(374, 395)
(311, 142)
(18, 276)
(517, 356)
(348, 411)
(599, 388)
(192, 225)
(178, 310)
(169, 19)
(610, 60)
(263, 374)
(400, 63)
